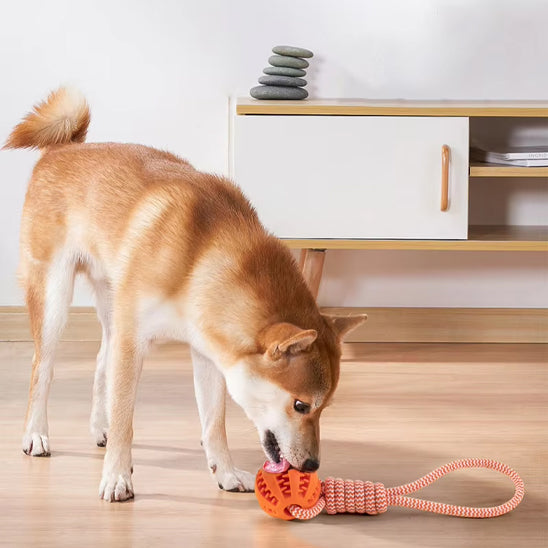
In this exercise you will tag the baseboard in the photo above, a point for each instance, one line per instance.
(415, 325)
(449, 325)
(82, 324)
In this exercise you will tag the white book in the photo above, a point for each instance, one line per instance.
(512, 153)
(519, 163)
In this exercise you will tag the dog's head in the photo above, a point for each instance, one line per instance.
(284, 387)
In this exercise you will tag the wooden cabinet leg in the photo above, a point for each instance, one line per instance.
(302, 259)
(311, 265)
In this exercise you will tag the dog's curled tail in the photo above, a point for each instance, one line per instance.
(61, 119)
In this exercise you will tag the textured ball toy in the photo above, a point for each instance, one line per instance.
(291, 494)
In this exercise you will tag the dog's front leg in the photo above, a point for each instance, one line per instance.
(124, 368)
(210, 389)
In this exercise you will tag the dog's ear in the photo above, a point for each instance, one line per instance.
(344, 324)
(284, 339)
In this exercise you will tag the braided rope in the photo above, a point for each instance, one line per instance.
(364, 497)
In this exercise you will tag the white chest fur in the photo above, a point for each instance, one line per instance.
(159, 318)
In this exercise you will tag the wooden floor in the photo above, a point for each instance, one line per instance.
(400, 411)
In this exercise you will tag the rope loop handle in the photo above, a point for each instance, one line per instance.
(364, 497)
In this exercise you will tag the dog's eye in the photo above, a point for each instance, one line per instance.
(301, 407)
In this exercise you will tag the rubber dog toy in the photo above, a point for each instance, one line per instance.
(292, 494)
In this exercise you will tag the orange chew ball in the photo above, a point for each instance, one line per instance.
(276, 492)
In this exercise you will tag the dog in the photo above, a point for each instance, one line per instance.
(170, 252)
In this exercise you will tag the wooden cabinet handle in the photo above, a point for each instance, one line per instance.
(444, 177)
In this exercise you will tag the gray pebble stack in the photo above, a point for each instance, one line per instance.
(283, 80)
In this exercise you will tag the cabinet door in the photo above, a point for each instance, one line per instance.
(354, 176)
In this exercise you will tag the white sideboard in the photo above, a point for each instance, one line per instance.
(375, 168)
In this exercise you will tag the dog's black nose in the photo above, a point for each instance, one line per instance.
(310, 465)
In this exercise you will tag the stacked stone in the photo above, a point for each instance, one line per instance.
(283, 78)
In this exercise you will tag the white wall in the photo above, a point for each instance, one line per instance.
(161, 72)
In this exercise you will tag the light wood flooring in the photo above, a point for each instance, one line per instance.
(400, 411)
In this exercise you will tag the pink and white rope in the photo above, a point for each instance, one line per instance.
(364, 497)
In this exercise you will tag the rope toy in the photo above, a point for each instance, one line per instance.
(298, 495)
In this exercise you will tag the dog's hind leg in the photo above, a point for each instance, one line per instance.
(210, 389)
(99, 418)
(49, 290)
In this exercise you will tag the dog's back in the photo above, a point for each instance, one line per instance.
(108, 204)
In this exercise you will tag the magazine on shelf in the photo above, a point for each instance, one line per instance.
(513, 156)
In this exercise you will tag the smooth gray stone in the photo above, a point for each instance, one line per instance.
(286, 61)
(277, 92)
(284, 71)
(292, 51)
(288, 81)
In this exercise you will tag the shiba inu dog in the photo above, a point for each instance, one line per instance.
(170, 252)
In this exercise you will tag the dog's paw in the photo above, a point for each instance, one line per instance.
(236, 481)
(116, 487)
(36, 445)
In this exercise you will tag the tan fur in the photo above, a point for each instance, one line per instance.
(162, 236)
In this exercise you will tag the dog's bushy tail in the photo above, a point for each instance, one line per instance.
(61, 119)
